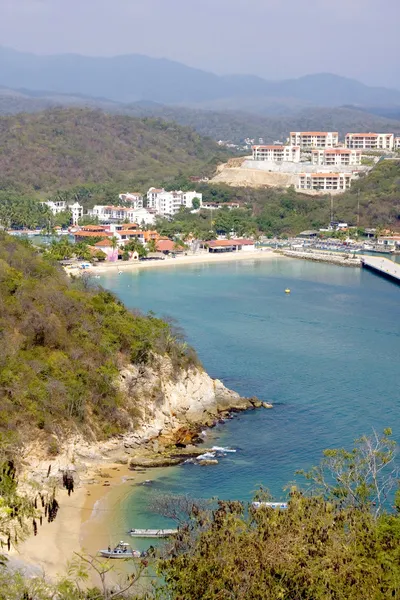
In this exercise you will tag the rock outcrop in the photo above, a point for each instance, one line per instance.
(165, 409)
(171, 405)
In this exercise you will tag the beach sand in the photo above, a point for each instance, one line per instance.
(191, 259)
(84, 523)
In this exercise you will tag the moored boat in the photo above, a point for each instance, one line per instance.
(121, 550)
(152, 533)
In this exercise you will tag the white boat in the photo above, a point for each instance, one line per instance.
(152, 533)
(121, 550)
(274, 505)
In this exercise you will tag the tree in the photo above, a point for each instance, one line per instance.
(196, 203)
(152, 245)
(114, 242)
(319, 548)
(363, 477)
(136, 246)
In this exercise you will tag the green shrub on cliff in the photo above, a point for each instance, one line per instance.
(62, 346)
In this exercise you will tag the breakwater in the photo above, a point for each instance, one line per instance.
(335, 258)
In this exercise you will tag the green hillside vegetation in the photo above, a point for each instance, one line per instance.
(338, 539)
(61, 148)
(235, 126)
(62, 347)
(378, 194)
(274, 211)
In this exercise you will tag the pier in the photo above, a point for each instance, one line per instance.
(382, 266)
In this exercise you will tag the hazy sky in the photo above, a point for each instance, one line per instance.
(271, 38)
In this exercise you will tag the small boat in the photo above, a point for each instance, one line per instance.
(152, 533)
(287, 291)
(121, 550)
(274, 505)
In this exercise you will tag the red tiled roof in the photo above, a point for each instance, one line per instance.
(314, 132)
(227, 243)
(362, 134)
(165, 246)
(93, 228)
(105, 243)
(83, 234)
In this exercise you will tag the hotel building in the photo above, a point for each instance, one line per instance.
(277, 153)
(370, 141)
(314, 139)
(336, 156)
(325, 182)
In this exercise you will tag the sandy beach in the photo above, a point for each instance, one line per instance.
(84, 523)
(88, 519)
(191, 259)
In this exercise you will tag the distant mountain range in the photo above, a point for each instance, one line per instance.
(133, 78)
(226, 125)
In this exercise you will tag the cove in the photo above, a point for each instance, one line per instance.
(326, 356)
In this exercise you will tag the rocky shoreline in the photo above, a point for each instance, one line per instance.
(334, 258)
(172, 410)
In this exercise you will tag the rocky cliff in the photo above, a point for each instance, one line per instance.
(170, 406)
(169, 400)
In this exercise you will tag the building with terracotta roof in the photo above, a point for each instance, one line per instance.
(314, 139)
(238, 245)
(335, 156)
(325, 182)
(84, 236)
(277, 153)
(370, 141)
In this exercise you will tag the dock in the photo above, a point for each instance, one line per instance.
(382, 266)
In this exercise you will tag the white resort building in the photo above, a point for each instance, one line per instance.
(111, 214)
(168, 203)
(314, 139)
(397, 143)
(60, 206)
(370, 141)
(329, 182)
(134, 199)
(277, 153)
(336, 156)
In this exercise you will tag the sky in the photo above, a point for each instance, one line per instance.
(275, 39)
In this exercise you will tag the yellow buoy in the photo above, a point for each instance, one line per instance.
(287, 291)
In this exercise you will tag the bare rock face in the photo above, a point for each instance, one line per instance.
(176, 402)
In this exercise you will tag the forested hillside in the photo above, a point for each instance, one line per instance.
(221, 124)
(236, 126)
(61, 349)
(65, 147)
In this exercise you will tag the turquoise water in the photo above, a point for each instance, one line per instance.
(326, 356)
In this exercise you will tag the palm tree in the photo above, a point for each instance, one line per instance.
(152, 245)
(114, 242)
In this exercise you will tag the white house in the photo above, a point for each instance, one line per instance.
(277, 153)
(397, 143)
(60, 206)
(217, 205)
(56, 207)
(370, 141)
(335, 156)
(314, 139)
(169, 203)
(76, 212)
(115, 214)
(134, 199)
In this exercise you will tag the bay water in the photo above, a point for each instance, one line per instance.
(326, 356)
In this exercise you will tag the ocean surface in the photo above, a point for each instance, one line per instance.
(326, 356)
